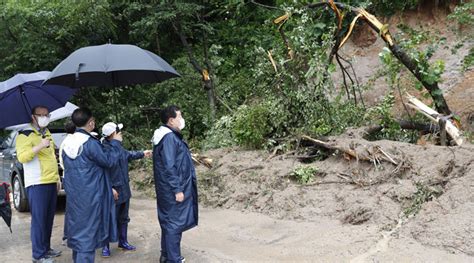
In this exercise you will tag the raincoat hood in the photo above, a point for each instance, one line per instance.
(159, 134)
(73, 144)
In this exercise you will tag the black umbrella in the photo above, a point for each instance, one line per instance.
(111, 65)
(5, 208)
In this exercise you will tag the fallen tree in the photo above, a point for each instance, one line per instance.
(381, 29)
(374, 154)
(445, 124)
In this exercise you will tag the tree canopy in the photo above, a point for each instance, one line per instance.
(262, 87)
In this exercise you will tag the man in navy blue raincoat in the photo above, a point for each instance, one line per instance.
(90, 205)
(118, 174)
(175, 184)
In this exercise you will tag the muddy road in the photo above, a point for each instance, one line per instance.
(234, 236)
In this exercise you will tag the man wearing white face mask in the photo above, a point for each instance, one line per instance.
(35, 150)
(175, 184)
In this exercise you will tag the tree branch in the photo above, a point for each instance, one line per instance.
(186, 45)
(396, 50)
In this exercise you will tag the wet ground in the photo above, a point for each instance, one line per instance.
(234, 236)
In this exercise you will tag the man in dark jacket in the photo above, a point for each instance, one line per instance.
(90, 205)
(120, 181)
(175, 184)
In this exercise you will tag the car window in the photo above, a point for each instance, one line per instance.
(10, 140)
(58, 138)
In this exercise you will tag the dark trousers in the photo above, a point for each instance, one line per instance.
(42, 200)
(121, 211)
(171, 246)
(83, 257)
(65, 225)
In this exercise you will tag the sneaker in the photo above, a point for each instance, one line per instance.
(43, 260)
(52, 253)
(106, 252)
(126, 246)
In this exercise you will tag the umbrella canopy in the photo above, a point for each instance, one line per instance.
(5, 208)
(21, 93)
(57, 114)
(111, 65)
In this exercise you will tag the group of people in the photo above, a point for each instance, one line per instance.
(96, 182)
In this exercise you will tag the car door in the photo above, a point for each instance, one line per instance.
(9, 155)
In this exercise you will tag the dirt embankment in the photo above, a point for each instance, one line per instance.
(429, 192)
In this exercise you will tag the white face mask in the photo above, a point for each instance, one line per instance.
(43, 121)
(182, 123)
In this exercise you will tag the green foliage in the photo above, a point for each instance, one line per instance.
(41, 33)
(255, 103)
(251, 125)
(304, 174)
(469, 136)
(468, 61)
(464, 13)
(382, 115)
(220, 135)
(410, 40)
(423, 194)
(383, 111)
(390, 7)
(294, 99)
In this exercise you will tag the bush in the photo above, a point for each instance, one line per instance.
(423, 194)
(468, 61)
(248, 126)
(463, 14)
(304, 174)
(252, 125)
(220, 135)
(382, 115)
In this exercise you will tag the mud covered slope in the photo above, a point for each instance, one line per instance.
(430, 189)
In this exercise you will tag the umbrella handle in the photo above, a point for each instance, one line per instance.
(78, 69)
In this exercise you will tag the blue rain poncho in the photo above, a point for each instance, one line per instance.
(119, 173)
(173, 173)
(90, 207)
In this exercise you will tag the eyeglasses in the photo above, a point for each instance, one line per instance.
(43, 115)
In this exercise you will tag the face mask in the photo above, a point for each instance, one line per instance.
(43, 121)
(182, 123)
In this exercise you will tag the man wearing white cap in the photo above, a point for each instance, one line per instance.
(118, 174)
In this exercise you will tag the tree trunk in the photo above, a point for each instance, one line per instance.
(404, 58)
(436, 117)
(207, 81)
